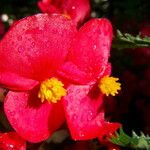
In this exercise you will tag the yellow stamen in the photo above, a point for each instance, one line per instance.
(65, 14)
(51, 90)
(109, 85)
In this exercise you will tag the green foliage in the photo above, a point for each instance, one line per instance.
(127, 40)
(134, 141)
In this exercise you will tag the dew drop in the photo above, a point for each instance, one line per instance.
(41, 28)
(78, 91)
(32, 44)
(90, 116)
(73, 7)
(19, 38)
(20, 49)
(74, 117)
(71, 97)
(94, 47)
(8, 111)
(26, 95)
(11, 146)
(81, 134)
(99, 123)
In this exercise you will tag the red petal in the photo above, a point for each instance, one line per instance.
(78, 10)
(70, 71)
(84, 111)
(108, 130)
(11, 141)
(107, 70)
(33, 120)
(46, 8)
(15, 82)
(36, 46)
(89, 52)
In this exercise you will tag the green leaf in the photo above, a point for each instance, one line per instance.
(122, 41)
(134, 141)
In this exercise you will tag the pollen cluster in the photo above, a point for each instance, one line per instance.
(51, 90)
(66, 15)
(109, 85)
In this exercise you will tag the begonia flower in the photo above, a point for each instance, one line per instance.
(77, 10)
(87, 65)
(31, 52)
(45, 58)
(11, 141)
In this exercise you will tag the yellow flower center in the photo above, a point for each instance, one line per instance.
(65, 14)
(51, 90)
(109, 85)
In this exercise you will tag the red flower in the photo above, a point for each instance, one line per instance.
(77, 10)
(87, 65)
(31, 52)
(11, 141)
(41, 47)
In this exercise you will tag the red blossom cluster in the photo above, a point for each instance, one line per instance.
(77, 11)
(53, 71)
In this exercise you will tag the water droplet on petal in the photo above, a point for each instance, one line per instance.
(78, 91)
(74, 117)
(20, 50)
(32, 44)
(8, 111)
(73, 7)
(11, 146)
(41, 28)
(90, 116)
(94, 47)
(19, 38)
(81, 134)
(26, 95)
(71, 97)
(99, 123)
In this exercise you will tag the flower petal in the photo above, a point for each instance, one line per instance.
(89, 52)
(108, 130)
(77, 10)
(46, 7)
(84, 111)
(33, 120)
(11, 140)
(36, 46)
(15, 82)
(107, 71)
